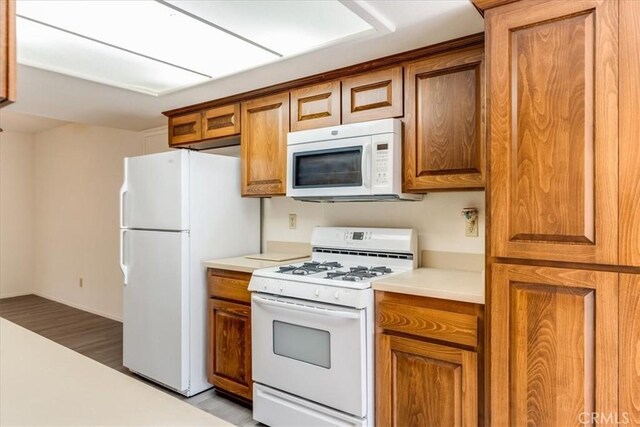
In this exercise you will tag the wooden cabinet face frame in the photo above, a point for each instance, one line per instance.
(553, 130)
(629, 132)
(444, 144)
(553, 344)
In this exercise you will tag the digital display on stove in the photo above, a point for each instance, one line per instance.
(358, 235)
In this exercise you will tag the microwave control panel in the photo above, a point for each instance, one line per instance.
(381, 170)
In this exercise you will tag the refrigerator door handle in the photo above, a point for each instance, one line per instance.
(123, 266)
(123, 191)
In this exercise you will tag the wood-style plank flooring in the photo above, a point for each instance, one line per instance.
(100, 339)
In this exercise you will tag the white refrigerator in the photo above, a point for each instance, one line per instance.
(177, 209)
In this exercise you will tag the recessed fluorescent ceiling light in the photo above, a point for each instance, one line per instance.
(156, 47)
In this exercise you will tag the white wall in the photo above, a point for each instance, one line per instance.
(437, 218)
(17, 256)
(79, 171)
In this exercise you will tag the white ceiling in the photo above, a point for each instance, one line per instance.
(166, 45)
(417, 23)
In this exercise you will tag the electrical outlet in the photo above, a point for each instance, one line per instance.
(293, 219)
(81, 282)
(471, 222)
(471, 229)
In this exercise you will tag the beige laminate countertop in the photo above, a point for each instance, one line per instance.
(248, 265)
(45, 384)
(457, 285)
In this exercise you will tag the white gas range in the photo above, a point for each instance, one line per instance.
(313, 327)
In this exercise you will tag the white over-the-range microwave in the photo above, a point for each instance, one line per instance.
(354, 162)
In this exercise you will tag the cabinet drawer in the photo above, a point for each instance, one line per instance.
(315, 106)
(458, 328)
(221, 121)
(229, 285)
(183, 129)
(372, 96)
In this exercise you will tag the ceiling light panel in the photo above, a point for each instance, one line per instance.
(148, 28)
(287, 27)
(50, 49)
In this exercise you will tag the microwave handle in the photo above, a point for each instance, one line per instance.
(367, 166)
(305, 308)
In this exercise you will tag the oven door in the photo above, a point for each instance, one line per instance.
(312, 350)
(330, 168)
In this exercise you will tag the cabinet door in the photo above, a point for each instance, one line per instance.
(315, 106)
(553, 345)
(630, 348)
(629, 132)
(424, 384)
(229, 354)
(553, 133)
(265, 123)
(221, 121)
(184, 129)
(444, 120)
(372, 96)
(7, 52)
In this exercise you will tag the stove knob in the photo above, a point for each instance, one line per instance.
(265, 287)
(281, 288)
(337, 294)
(317, 292)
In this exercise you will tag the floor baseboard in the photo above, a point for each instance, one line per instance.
(79, 307)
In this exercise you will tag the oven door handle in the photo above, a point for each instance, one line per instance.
(305, 308)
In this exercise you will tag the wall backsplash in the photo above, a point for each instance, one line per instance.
(437, 218)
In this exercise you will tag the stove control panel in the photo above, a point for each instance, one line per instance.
(357, 298)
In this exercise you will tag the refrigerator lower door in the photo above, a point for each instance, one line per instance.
(155, 192)
(156, 306)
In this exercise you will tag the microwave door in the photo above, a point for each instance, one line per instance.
(330, 168)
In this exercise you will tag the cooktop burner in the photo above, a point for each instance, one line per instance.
(356, 274)
(309, 268)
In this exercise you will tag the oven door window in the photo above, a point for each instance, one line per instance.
(302, 343)
(338, 167)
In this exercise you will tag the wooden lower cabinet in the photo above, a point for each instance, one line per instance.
(425, 384)
(629, 349)
(229, 333)
(428, 362)
(553, 345)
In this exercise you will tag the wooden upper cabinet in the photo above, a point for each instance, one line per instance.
(185, 129)
(444, 144)
(553, 345)
(315, 106)
(372, 96)
(7, 52)
(265, 124)
(553, 136)
(221, 121)
(629, 132)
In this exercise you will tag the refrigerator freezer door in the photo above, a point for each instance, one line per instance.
(155, 193)
(156, 306)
